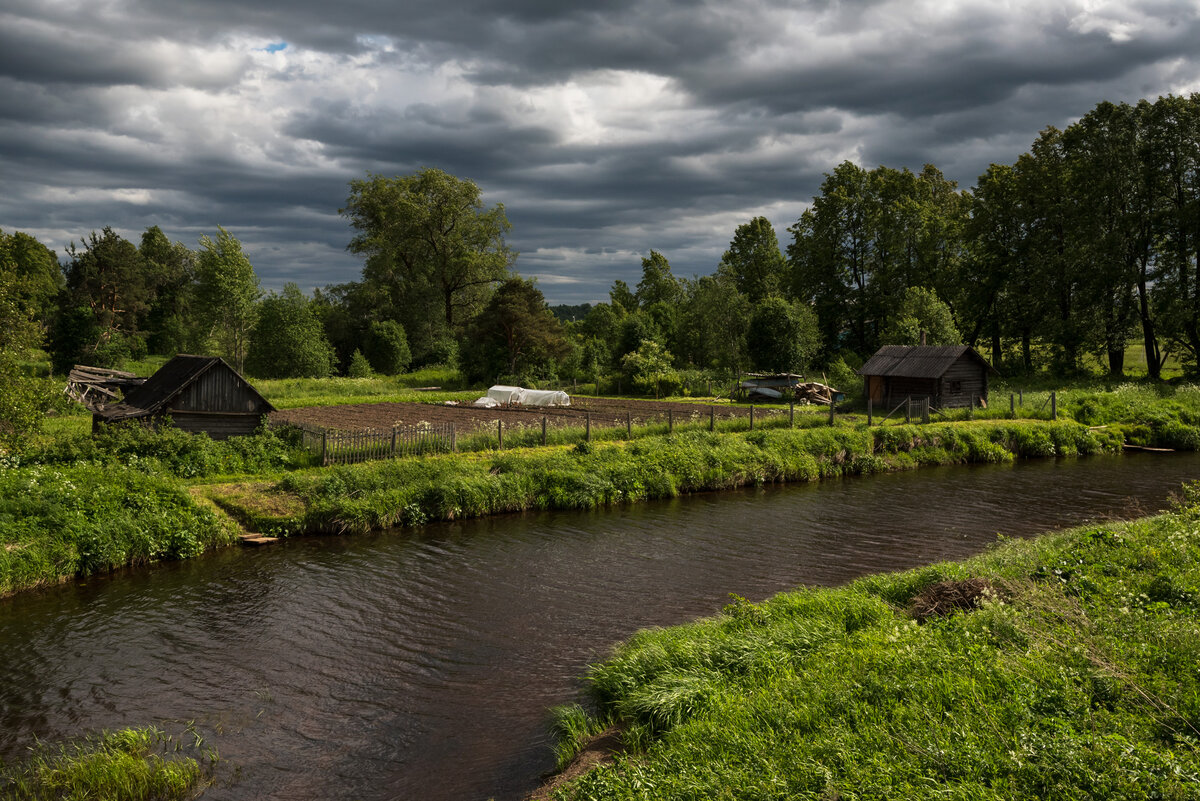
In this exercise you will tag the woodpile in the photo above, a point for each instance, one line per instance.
(815, 392)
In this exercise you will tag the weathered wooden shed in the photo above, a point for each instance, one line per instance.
(949, 375)
(198, 393)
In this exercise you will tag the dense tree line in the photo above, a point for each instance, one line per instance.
(1089, 240)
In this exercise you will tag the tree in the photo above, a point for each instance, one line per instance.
(35, 270)
(782, 336)
(658, 284)
(288, 340)
(714, 321)
(648, 367)
(515, 335)
(921, 310)
(754, 261)
(431, 247)
(171, 273)
(387, 348)
(227, 292)
(622, 297)
(23, 399)
(107, 294)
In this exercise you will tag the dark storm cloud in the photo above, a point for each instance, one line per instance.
(605, 129)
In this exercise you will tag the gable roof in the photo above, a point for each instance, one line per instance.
(157, 392)
(919, 361)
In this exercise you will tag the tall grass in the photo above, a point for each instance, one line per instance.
(1076, 678)
(124, 765)
(405, 492)
(61, 522)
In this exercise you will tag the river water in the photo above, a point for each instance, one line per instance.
(420, 663)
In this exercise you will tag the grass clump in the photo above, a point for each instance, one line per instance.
(123, 765)
(1066, 669)
(61, 522)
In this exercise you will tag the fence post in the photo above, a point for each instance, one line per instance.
(971, 409)
(708, 388)
(752, 417)
(656, 389)
(908, 409)
(831, 412)
(453, 438)
(870, 412)
(393, 440)
(670, 421)
(712, 418)
(324, 446)
(500, 433)
(543, 430)
(1021, 396)
(1053, 405)
(792, 413)
(628, 425)
(587, 429)
(1012, 405)
(925, 411)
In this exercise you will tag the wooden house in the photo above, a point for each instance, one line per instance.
(949, 375)
(198, 393)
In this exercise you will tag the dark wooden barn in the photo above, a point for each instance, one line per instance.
(198, 393)
(949, 375)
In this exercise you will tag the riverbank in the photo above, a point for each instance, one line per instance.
(1058, 667)
(66, 520)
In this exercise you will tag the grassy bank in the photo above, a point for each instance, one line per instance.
(125, 765)
(374, 495)
(1062, 667)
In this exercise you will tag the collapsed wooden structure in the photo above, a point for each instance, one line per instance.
(95, 386)
(198, 393)
(786, 386)
(950, 376)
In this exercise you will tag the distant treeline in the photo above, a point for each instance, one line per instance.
(1090, 239)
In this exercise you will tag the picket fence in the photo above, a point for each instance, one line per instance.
(334, 446)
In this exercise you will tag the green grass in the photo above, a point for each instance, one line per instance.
(289, 393)
(1075, 679)
(58, 522)
(124, 765)
(373, 495)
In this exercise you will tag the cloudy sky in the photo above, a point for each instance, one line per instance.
(606, 129)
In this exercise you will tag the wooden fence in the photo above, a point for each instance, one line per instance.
(348, 447)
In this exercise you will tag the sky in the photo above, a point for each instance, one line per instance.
(606, 129)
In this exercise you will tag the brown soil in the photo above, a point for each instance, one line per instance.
(947, 597)
(605, 413)
(599, 750)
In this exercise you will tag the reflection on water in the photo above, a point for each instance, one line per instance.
(420, 664)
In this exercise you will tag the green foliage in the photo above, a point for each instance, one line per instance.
(921, 310)
(1075, 678)
(62, 521)
(433, 252)
(754, 262)
(227, 293)
(359, 366)
(169, 451)
(515, 335)
(122, 765)
(782, 337)
(288, 340)
(387, 348)
(649, 370)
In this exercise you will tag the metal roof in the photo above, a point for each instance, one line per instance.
(919, 361)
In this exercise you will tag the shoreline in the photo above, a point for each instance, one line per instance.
(125, 517)
(1056, 666)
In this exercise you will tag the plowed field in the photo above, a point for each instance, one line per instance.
(605, 412)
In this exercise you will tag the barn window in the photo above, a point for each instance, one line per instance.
(955, 387)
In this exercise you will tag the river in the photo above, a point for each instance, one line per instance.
(420, 663)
